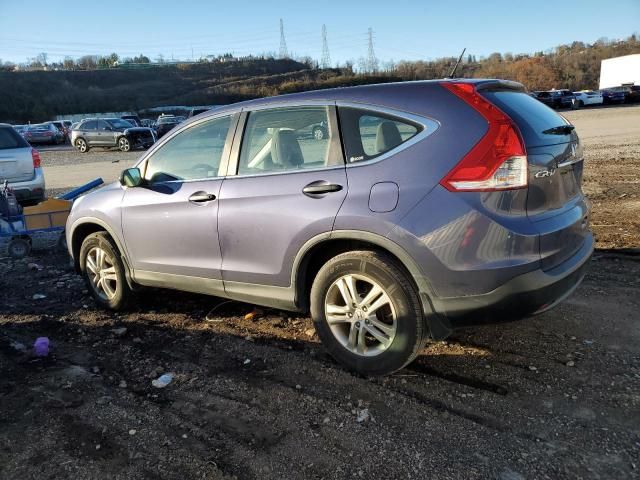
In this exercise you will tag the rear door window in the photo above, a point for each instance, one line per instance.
(368, 134)
(90, 125)
(285, 139)
(531, 116)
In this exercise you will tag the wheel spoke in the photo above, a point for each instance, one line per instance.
(381, 301)
(378, 335)
(110, 273)
(383, 327)
(347, 287)
(108, 289)
(337, 314)
(371, 297)
(353, 337)
(362, 346)
(91, 265)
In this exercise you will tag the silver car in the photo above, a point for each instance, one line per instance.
(20, 165)
(110, 132)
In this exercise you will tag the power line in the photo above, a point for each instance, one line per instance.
(325, 61)
(283, 43)
(372, 61)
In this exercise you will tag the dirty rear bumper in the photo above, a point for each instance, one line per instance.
(526, 295)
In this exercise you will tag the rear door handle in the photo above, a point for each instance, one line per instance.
(320, 187)
(202, 197)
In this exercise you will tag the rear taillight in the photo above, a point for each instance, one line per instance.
(35, 155)
(499, 160)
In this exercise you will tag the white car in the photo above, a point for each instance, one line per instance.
(588, 97)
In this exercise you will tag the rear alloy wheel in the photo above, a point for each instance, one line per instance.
(318, 133)
(103, 271)
(367, 313)
(81, 145)
(123, 144)
(18, 248)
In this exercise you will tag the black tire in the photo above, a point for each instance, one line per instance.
(18, 248)
(61, 244)
(123, 293)
(82, 145)
(124, 145)
(411, 330)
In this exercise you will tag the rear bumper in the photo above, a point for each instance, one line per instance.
(526, 295)
(30, 190)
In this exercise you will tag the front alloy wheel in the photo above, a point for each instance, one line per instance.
(104, 272)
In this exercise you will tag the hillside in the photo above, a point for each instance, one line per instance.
(39, 95)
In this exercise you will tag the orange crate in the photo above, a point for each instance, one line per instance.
(48, 214)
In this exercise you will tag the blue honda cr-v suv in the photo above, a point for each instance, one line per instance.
(424, 207)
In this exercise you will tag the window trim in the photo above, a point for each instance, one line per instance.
(336, 140)
(226, 150)
(429, 127)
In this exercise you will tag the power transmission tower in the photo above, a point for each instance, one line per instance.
(372, 61)
(283, 42)
(325, 62)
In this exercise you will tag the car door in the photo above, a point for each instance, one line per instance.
(89, 132)
(104, 134)
(283, 188)
(170, 223)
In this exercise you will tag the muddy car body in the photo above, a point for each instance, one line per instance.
(428, 206)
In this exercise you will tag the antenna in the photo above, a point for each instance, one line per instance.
(325, 62)
(283, 42)
(372, 61)
(453, 72)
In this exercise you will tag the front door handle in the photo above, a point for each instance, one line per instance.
(320, 187)
(202, 197)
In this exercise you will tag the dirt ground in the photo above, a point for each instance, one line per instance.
(555, 396)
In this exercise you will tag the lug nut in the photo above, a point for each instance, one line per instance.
(350, 315)
(364, 309)
(357, 324)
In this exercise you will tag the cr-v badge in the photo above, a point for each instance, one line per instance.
(545, 173)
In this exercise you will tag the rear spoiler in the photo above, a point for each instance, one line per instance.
(500, 85)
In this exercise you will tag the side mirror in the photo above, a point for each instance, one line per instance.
(131, 177)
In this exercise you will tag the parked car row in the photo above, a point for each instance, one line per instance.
(567, 99)
(53, 133)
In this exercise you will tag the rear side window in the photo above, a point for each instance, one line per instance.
(9, 138)
(368, 134)
(90, 125)
(531, 116)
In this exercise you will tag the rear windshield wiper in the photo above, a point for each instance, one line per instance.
(561, 130)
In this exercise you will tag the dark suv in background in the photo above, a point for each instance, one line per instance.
(426, 207)
(110, 132)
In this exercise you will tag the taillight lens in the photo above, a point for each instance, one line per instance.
(35, 155)
(499, 160)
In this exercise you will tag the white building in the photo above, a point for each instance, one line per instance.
(620, 70)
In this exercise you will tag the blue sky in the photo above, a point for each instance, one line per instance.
(402, 29)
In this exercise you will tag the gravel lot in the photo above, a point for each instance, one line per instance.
(556, 396)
